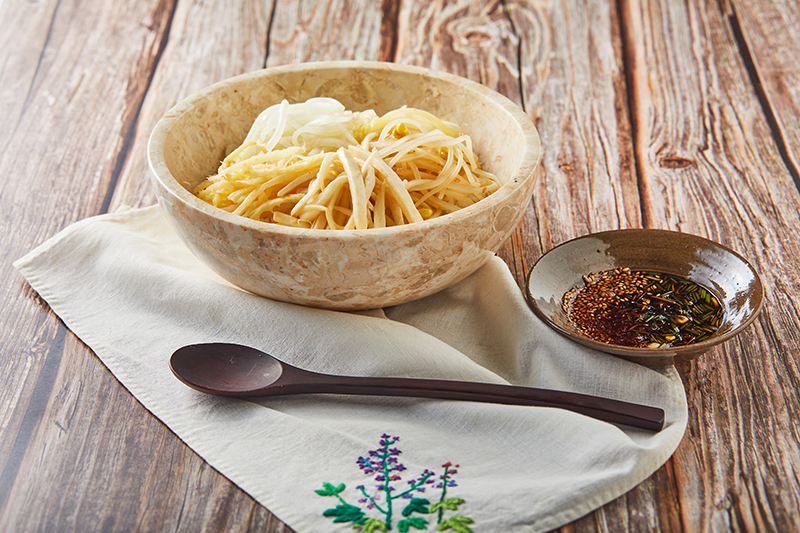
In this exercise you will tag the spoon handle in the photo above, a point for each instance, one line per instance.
(605, 409)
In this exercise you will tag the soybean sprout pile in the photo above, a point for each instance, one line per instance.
(317, 165)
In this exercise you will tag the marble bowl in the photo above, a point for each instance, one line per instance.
(725, 273)
(342, 269)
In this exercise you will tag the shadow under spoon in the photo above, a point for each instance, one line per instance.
(243, 372)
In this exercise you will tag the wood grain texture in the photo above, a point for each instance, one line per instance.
(318, 31)
(575, 91)
(704, 151)
(764, 29)
(67, 89)
(78, 452)
(207, 43)
(656, 113)
(475, 40)
(22, 42)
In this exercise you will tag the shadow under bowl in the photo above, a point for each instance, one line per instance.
(725, 273)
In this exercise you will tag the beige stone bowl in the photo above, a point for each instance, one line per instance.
(342, 269)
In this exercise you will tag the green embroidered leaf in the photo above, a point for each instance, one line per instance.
(451, 504)
(457, 524)
(371, 524)
(415, 521)
(344, 513)
(329, 490)
(416, 504)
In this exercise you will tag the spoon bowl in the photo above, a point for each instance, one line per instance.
(243, 372)
(225, 369)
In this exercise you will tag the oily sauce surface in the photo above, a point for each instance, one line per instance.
(643, 309)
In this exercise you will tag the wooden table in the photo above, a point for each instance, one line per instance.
(674, 114)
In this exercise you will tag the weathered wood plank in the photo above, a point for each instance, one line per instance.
(516, 49)
(762, 29)
(207, 43)
(321, 31)
(475, 40)
(68, 103)
(78, 452)
(708, 165)
(144, 458)
(588, 182)
(22, 42)
(575, 91)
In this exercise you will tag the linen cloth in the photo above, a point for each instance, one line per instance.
(127, 286)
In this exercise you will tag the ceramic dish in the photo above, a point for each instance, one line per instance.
(342, 269)
(726, 274)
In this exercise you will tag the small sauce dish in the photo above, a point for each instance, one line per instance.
(728, 276)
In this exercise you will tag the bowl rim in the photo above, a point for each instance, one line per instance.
(677, 353)
(530, 159)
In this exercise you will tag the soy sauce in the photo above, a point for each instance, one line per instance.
(643, 309)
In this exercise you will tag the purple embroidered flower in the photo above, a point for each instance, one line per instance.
(383, 466)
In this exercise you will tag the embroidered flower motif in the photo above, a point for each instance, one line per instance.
(384, 467)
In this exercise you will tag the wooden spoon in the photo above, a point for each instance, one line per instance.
(243, 372)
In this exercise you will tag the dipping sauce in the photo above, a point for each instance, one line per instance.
(642, 309)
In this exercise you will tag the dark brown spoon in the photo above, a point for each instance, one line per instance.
(243, 372)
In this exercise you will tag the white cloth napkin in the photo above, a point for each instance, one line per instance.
(128, 287)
